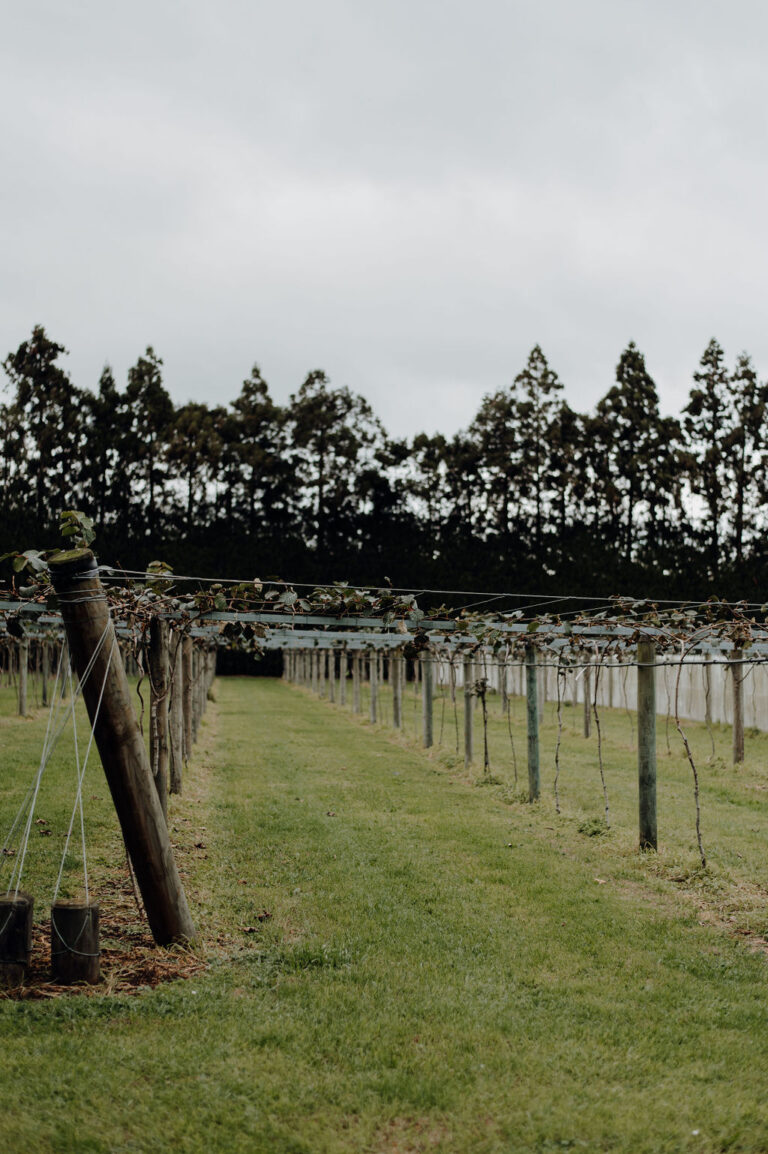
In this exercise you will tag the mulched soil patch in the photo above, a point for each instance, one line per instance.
(131, 963)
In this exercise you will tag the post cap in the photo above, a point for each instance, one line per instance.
(71, 564)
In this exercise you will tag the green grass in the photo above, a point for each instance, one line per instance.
(443, 968)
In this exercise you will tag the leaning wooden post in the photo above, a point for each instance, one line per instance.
(159, 688)
(532, 716)
(646, 743)
(91, 638)
(23, 675)
(176, 721)
(737, 673)
(427, 693)
(587, 679)
(396, 664)
(374, 679)
(468, 713)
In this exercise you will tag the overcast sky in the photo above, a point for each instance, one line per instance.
(408, 195)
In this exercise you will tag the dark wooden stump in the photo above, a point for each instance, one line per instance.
(75, 943)
(15, 937)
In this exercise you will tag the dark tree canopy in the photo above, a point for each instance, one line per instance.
(532, 496)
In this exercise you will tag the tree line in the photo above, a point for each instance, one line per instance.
(532, 496)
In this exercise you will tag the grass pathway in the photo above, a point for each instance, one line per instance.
(400, 963)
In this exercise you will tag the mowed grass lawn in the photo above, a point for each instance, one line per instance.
(399, 960)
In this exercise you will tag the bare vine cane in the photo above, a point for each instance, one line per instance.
(627, 710)
(691, 762)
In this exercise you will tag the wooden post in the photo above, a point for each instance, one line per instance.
(15, 937)
(646, 743)
(503, 684)
(356, 682)
(45, 671)
(107, 696)
(374, 678)
(321, 660)
(75, 943)
(315, 664)
(737, 673)
(23, 649)
(427, 692)
(195, 692)
(468, 713)
(159, 689)
(397, 661)
(331, 657)
(186, 697)
(176, 724)
(587, 679)
(532, 716)
(343, 671)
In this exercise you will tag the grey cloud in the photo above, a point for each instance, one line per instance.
(408, 195)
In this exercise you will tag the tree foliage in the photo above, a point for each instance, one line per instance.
(533, 495)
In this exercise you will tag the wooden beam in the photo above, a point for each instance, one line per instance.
(107, 696)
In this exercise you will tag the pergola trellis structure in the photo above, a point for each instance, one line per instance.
(309, 641)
